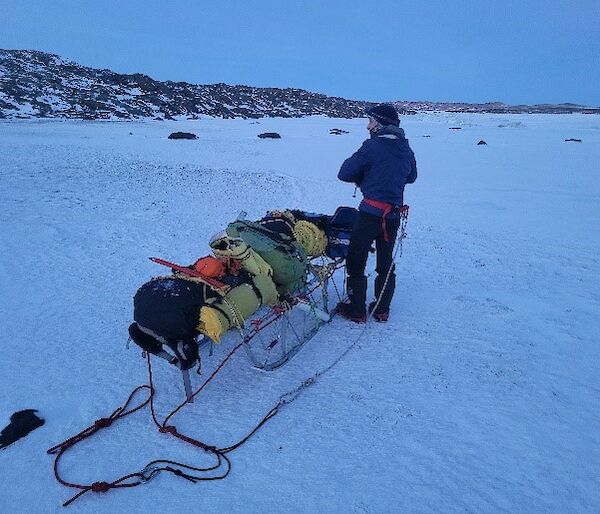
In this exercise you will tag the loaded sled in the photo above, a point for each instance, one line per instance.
(265, 288)
(266, 284)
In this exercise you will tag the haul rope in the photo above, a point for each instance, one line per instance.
(156, 466)
(99, 487)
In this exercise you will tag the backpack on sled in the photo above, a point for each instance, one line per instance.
(339, 231)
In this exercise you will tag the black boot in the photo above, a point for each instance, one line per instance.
(354, 310)
(384, 296)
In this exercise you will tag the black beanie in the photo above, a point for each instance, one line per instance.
(385, 114)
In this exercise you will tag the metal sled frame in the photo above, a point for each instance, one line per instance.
(295, 322)
(279, 332)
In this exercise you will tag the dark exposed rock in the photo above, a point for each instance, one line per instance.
(337, 132)
(482, 142)
(455, 128)
(574, 140)
(269, 135)
(183, 135)
(39, 85)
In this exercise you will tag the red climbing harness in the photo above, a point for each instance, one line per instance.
(386, 208)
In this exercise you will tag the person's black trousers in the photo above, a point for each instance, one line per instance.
(368, 228)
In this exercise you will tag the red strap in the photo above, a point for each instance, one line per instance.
(386, 208)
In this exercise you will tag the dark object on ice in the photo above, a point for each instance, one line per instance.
(183, 135)
(574, 140)
(482, 142)
(455, 128)
(269, 135)
(21, 423)
(337, 132)
(425, 136)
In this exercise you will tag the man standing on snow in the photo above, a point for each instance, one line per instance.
(381, 168)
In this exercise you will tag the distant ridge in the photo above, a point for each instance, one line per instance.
(497, 107)
(36, 84)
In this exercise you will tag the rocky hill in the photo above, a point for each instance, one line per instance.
(41, 85)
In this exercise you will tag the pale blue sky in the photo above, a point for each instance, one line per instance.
(526, 51)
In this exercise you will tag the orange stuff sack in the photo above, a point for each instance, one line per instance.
(210, 267)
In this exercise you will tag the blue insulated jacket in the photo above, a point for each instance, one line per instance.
(381, 168)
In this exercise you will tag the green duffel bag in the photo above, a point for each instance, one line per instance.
(287, 257)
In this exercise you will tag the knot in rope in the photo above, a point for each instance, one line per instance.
(100, 487)
(169, 429)
(179, 473)
(103, 422)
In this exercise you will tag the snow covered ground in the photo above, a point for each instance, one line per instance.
(481, 394)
